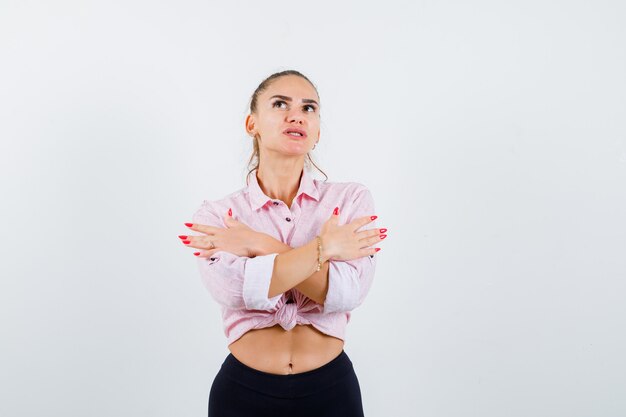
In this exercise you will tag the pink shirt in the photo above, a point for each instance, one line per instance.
(240, 284)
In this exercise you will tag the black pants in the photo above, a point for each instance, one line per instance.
(328, 391)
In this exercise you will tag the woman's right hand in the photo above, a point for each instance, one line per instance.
(344, 243)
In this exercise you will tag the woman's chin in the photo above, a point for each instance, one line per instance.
(296, 148)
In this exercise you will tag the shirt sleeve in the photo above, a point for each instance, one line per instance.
(350, 281)
(235, 282)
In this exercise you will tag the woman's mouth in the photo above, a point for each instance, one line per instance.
(295, 133)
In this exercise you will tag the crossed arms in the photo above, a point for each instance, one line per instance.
(258, 282)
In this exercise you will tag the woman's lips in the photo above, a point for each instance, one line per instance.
(295, 136)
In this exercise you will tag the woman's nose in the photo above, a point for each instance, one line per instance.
(295, 117)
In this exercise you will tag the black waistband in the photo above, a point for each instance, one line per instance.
(288, 385)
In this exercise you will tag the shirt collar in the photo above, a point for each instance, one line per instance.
(258, 198)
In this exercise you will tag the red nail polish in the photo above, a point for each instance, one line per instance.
(230, 212)
(186, 242)
(373, 217)
(377, 249)
(383, 230)
(383, 236)
(188, 224)
(196, 253)
(336, 211)
(185, 237)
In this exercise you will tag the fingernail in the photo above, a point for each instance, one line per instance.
(196, 253)
(383, 236)
(336, 211)
(230, 212)
(186, 242)
(185, 237)
(374, 217)
(377, 249)
(188, 224)
(383, 230)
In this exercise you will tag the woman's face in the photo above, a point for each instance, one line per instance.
(289, 103)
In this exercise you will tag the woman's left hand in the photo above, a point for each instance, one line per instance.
(237, 238)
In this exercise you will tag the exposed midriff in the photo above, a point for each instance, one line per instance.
(278, 351)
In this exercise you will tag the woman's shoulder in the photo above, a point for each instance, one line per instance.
(343, 188)
(219, 207)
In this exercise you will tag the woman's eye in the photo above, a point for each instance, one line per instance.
(307, 106)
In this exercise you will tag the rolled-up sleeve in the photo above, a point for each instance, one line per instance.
(235, 282)
(350, 281)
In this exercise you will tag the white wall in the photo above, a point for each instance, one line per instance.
(492, 137)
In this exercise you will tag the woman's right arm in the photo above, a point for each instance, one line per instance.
(295, 266)
(345, 280)
(314, 287)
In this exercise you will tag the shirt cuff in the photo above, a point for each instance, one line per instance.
(343, 288)
(256, 283)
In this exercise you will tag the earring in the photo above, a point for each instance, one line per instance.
(315, 145)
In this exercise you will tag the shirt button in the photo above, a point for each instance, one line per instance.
(275, 203)
(288, 219)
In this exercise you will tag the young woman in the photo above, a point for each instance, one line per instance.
(288, 258)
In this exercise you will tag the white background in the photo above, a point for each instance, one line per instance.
(490, 133)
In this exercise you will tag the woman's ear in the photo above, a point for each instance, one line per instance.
(250, 125)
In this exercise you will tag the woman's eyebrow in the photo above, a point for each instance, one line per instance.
(304, 100)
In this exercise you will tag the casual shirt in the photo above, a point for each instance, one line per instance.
(240, 284)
